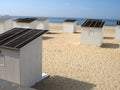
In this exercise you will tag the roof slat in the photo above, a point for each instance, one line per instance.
(18, 37)
(14, 35)
(28, 40)
(70, 20)
(25, 20)
(93, 23)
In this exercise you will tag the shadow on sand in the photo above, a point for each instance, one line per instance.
(108, 37)
(62, 83)
(77, 32)
(52, 33)
(46, 38)
(110, 45)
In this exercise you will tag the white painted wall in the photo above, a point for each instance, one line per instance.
(43, 25)
(34, 24)
(1, 28)
(69, 26)
(24, 66)
(6, 25)
(22, 25)
(37, 24)
(117, 32)
(31, 61)
(46, 24)
(10, 69)
(92, 36)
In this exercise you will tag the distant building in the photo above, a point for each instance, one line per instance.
(33, 23)
(70, 25)
(5, 24)
(92, 32)
(117, 31)
(21, 56)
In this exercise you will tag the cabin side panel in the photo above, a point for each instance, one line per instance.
(1, 28)
(8, 25)
(9, 67)
(31, 62)
(21, 25)
(69, 27)
(117, 32)
(92, 36)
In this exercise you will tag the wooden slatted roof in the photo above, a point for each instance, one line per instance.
(19, 37)
(118, 23)
(25, 20)
(93, 23)
(70, 20)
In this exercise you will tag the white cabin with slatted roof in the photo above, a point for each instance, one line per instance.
(69, 25)
(33, 23)
(92, 32)
(117, 31)
(21, 56)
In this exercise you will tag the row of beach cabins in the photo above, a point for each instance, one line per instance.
(21, 46)
(91, 30)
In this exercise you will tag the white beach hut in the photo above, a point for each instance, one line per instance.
(33, 23)
(5, 24)
(21, 56)
(42, 23)
(92, 32)
(69, 25)
(117, 32)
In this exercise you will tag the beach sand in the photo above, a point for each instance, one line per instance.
(74, 66)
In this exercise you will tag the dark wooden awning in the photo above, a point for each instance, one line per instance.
(19, 37)
(93, 23)
(25, 20)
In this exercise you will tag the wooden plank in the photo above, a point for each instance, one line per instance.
(26, 20)
(93, 23)
(17, 39)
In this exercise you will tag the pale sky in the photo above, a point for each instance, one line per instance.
(62, 8)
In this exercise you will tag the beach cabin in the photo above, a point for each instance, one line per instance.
(5, 24)
(42, 23)
(92, 32)
(33, 23)
(117, 32)
(21, 56)
(70, 25)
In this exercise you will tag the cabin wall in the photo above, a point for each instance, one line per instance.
(1, 28)
(9, 65)
(92, 36)
(21, 25)
(69, 27)
(46, 24)
(43, 25)
(117, 32)
(8, 25)
(34, 24)
(31, 62)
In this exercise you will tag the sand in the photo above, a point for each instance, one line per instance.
(74, 66)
